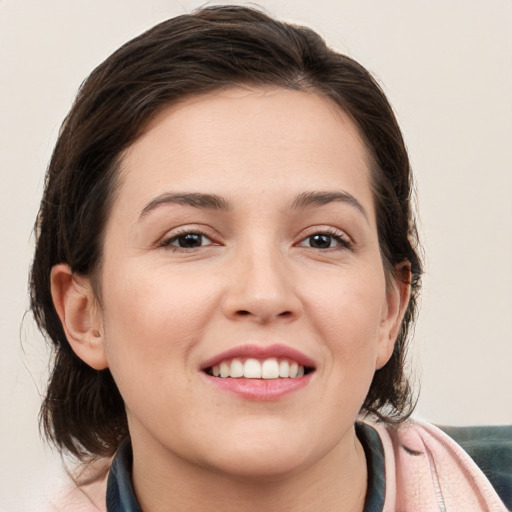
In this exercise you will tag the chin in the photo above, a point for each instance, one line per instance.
(263, 454)
(262, 465)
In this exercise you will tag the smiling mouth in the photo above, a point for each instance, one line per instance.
(251, 368)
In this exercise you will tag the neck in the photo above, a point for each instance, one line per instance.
(335, 482)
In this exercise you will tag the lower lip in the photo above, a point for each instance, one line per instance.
(260, 389)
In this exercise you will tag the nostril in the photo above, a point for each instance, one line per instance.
(264, 316)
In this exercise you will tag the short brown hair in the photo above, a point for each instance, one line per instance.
(215, 47)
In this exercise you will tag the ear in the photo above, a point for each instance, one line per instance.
(77, 307)
(398, 294)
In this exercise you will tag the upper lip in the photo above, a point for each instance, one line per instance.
(260, 352)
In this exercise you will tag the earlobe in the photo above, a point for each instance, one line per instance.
(77, 308)
(397, 301)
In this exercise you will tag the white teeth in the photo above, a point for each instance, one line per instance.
(237, 369)
(224, 369)
(271, 368)
(252, 369)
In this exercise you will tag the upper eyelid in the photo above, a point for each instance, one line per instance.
(188, 228)
(329, 230)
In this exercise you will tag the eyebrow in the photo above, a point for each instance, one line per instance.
(314, 199)
(214, 202)
(194, 199)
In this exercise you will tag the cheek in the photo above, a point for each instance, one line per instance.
(347, 316)
(350, 305)
(152, 320)
(150, 328)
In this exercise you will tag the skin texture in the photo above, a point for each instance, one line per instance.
(256, 278)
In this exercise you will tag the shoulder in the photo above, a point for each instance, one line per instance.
(424, 466)
(84, 492)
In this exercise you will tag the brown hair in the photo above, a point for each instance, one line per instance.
(212, 48)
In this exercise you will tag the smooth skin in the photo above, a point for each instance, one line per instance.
(243, 216)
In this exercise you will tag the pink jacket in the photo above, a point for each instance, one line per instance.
(426, 471)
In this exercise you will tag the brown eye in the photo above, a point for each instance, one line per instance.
(188, 241)
(325, 241)
(320, 241)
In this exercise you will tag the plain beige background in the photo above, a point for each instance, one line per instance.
(446, 66)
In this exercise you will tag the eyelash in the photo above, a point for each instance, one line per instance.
(342, 241)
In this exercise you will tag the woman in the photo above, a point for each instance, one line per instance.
(227, 265)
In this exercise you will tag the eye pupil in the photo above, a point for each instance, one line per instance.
(190, 240)
(320, 241)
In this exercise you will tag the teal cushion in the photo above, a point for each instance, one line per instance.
(491, 448)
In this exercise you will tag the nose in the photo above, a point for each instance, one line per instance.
(261, 289)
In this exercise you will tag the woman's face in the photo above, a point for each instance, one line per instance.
(243, 239)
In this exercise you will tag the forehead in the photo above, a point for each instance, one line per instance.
(228, 139)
